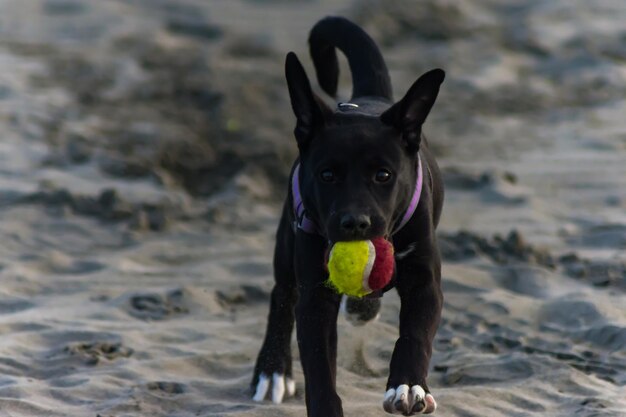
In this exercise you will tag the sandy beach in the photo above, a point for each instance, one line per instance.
(144, 156)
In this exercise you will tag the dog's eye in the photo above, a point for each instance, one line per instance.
(327, 175)
(382, 175)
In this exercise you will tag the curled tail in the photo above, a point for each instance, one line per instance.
(369, 72)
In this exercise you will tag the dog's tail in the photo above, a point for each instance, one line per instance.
(369, 72)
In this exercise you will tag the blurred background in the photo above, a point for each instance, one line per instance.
(145, 148)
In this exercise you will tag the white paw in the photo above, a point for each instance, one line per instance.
(408, 401)
(281, 385)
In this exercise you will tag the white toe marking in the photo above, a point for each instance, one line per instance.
(418, 392)
(402, 396)
(278, 388)
(402, 392)
(417, 396)
(389, 394)
(261, 388)
(431, 404)
(291, 387)
(388, 400)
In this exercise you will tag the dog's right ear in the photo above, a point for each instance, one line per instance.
(310, 111)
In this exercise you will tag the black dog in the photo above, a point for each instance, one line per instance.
(357, 175)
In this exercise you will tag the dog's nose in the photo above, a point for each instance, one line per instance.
(355, 223)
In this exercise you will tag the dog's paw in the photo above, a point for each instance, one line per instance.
(359, 311)
(281, 387)
(407, 401)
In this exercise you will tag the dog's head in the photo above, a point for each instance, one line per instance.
(358, 170)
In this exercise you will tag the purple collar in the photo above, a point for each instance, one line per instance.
(309, 226)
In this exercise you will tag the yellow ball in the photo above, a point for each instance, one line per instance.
(349, 266)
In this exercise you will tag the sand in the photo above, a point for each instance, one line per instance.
(144, 155)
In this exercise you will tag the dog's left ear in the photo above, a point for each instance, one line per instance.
(409, 114)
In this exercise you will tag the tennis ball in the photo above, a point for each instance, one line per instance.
(357, 268)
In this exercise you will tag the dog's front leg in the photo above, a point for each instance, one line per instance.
(273, 365)
(419, 287)
(316, 323)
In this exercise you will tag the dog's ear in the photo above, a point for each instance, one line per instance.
(310, 111)
(409, 114)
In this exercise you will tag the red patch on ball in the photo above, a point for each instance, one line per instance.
(384, 264)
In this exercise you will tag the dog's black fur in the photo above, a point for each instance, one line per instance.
(346, 156)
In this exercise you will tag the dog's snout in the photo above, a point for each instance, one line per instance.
(355, 224)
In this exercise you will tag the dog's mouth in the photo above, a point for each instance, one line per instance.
(331, 243)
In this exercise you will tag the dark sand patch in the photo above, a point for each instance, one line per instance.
(157, 306)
